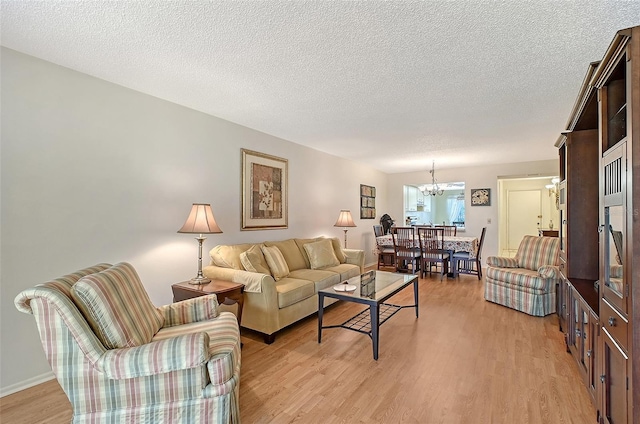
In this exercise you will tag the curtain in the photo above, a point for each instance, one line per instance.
(455, 206)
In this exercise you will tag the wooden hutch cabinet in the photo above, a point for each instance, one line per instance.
(599, 298)
(578, 300)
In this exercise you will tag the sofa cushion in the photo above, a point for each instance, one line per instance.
(321, 278)
(276, 262)
(117, 307)
(291, 253)
(293, 290)
(228, 256)
(321, 254)
(535, 252)
(253, 260)
(345, 271)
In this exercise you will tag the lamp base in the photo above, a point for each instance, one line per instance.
(200, 280)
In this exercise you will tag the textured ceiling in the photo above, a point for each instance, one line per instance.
(391, 84)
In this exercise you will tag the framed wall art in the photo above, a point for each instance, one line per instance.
(264, 191)
(480, 197)
(367, 202)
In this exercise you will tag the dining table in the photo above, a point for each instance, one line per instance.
(451, 243)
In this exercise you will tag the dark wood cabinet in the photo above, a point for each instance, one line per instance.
(563, 298)
(599, 299)
(577, 295)
(617, 81)
(582, 331)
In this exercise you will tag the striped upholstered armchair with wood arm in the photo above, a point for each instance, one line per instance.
(120, 359)
(528, 281)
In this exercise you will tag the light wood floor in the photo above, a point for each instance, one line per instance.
(464, 360)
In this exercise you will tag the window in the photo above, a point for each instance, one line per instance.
(423, 209)
(455, 210)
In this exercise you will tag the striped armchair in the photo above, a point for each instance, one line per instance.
(120, 359)
(528, 281)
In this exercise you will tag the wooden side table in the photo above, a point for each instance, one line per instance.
(232, 293)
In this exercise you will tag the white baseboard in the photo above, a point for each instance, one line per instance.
(34, 381)
(372, 264)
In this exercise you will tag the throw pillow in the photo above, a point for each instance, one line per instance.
(275, 260)
(301, 243)
(228, 256)
(321, 254)
(337, 249)
(291, 253)
(253, 260)
(117, 307)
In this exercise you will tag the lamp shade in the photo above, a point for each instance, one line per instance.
(344, 219)
(200, 220)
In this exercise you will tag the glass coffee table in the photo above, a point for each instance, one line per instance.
(372, 288)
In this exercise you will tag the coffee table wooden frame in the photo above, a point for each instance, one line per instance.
(379, 312)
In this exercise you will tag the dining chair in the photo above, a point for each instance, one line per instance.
(432, 250)
(405, 248)
(386, 254)
(449, 230)
(464, 264)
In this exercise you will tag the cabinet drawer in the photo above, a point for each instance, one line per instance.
(615, 323)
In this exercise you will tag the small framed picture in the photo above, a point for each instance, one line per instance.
(480, 197)
(367, 202)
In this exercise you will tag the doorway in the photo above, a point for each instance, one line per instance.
(523, 216)
(526, 206)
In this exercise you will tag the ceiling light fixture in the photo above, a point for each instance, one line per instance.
(435, 188)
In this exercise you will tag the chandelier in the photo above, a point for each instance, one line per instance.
(435, 188)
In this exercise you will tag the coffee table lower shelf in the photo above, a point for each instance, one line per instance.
(362, 322)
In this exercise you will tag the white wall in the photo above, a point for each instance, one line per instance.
(94, 172)
(476, 217)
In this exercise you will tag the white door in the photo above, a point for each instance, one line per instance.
(524, 212)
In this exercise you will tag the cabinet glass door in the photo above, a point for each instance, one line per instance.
(590, 341)
(562, 306)
(614, 284)
(614, 252)
(562, 229)
(586, 349)
(574, 335)
(614, 380)
(614, 223)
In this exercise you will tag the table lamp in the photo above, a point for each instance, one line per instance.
(345, 221)
(200, 221)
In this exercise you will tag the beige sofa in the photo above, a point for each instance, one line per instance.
(282, 278)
